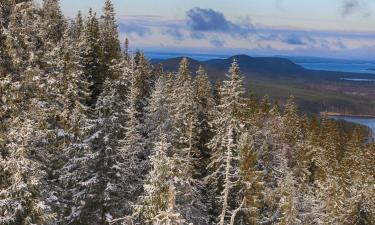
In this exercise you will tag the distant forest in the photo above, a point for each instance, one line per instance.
(91, 134)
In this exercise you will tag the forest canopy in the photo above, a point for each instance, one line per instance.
(93, 134)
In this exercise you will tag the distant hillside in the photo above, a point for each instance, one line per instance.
(315, 91)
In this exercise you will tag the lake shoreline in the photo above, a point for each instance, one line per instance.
(364, 120)
(347, 114)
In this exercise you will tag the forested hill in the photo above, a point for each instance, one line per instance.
(269, 67)
(315, 91)
(93, 135)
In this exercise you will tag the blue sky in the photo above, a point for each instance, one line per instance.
(328, 28)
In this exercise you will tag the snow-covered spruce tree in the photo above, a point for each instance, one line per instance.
(329, 140)
(301, 155)
(24, 187)
(251, 184)
(125, 52)
(144, 81)
(292, 128)
(204, 106)
(170, 216)
(109, 39)
(69, 88)
(161, 133)
(90, 58)
(184, 114)
(281, 206)
(53, 24)
(355, 182)
(155, 205)
(132, 147)
(159, 112)
(288, 201)
(188, 189)
(24, 190)
(98, 192)
(158, 205)
(265, 106)
(6, 9)
(224, 165)
(161, 117)
(76, 27)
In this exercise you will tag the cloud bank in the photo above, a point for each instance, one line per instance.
(354, 6)
(209, 20)
(211, 29)
(134, 28)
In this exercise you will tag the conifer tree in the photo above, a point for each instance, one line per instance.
(53, 22)
(109, 39)
(133, 146)
(170, 216)
(70, 90)
(204, 105)
(144, 79)
(162, 116)
(329, 139)
(189, 198)
(224, 164)
(91, 56)
(288, 201)
(251, 183)
(160, 178)
(159, 112)
(185, 118)
(265, 105)
(292, 130)
(24, 192)
(77, 27)
(99, 192)
(126, 49)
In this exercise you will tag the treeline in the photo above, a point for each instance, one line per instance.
(91, 134)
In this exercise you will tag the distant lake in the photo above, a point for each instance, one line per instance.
(340, 67)
(369, 122)
(358, 79)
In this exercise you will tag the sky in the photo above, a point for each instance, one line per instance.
(324, 28)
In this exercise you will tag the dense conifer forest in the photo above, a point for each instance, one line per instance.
(93, 134)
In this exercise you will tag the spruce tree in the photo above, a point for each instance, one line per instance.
(77, 27)
(72, 120)
(224, 165)
(204, 106)
(251, 184)
(99, 191)
(24, 191)
(132, 148)
(159, 113)
(109, 39)
(53, 22)
(292, 130)
(144, 80)
(170, 216)
(90, 59)
(160, 178)
(189, 197)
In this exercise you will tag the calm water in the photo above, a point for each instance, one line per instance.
(369, 122)
(341, 67)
